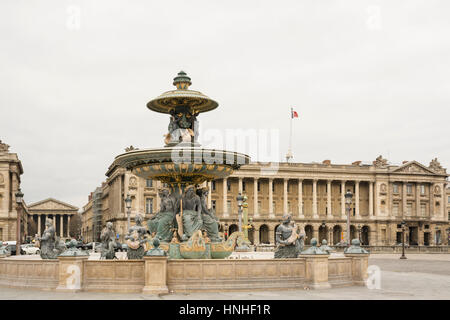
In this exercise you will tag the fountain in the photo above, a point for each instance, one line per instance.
(183, 165)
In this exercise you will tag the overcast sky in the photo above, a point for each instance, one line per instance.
(366, 77)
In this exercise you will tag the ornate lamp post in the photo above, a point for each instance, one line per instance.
(246, 226)
(348, 203)
(240, 202)
(19, 199)
(403, 239)
(128, 206)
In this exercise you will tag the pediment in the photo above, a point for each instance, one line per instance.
(413, 167)
(51, 204)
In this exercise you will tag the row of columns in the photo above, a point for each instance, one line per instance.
(300, 196)
(61, 223)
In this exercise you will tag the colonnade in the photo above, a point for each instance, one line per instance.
(62, 226)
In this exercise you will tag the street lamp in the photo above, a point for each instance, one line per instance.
(226, 231)
(403, 239)
(348, 203)
(240, 201)
(19, 199)
(128, 206)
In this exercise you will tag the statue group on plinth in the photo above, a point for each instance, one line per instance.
(108, 239)
(288, 238)
(50, 245)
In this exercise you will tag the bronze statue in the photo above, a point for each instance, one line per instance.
(210, 221)
(192, 213)
(135, 239)
(287, 238)
(166, 217)
(49, 244)
(107, 238)
(152, 222)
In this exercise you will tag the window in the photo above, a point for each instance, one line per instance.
(259, 186)
(213, 185)
(423, 210)
(213, 205)
(289, 207)
(273, 186)
(409, 209)
(448, 199)
(288, 187)
(228, 186)
(148, 183)
(409, 188)
(229, 206)
(149, 205)
(422, 189)
(259, 206)
(243, 185)
(274, 207)
(395, 188)
(395, 209)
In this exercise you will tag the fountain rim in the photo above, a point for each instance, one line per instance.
(208, 105)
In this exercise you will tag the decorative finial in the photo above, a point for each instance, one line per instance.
(182, 81)
(3, 147)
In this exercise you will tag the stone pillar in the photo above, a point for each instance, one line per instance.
(255, 197)
(370, 199)
(271, 235)
(360, 263)
(418, 199)
(54, 222)
(329, 213)
(357, 199)
(431, 209)
(404, 199)
(155, 274)
(343, 215)
(225, 197)
(285, 195)
(39, 225)
(316, 270)
(315, 232)
(314, 200)
(443, 205)
(271, 213)
(256, 236)
(377, 200)
(300, 199)
(61, 229)
(68, 225)
(71, 273)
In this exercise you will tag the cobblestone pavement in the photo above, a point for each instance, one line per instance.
(421, 276)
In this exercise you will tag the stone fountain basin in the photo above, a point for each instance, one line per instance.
(187, 165)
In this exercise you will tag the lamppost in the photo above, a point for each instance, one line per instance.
(240, 202)
(128, 206)
(348, 203)
(403, 239)
(323, 225)
(19, 199)
(246, 225)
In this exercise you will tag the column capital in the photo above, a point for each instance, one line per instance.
(286, 179)
(329, 180)
(315, 180)
(343, 181)
(300, 180)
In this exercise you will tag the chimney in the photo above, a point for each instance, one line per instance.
(326, 162)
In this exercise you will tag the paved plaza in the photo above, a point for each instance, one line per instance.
(421, 276)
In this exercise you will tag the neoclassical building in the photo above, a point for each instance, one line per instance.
(58, 211)
(10, 171)
(383, 196)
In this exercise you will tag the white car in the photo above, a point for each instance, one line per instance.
(30, 249)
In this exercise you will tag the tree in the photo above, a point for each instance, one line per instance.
(75, 226)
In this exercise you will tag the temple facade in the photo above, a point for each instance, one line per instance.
(383, 196)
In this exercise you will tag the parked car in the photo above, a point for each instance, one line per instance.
(89, 245)
(29, 249)
(11, 248)
(120, 247)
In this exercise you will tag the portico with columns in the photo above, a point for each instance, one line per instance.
(60, 213)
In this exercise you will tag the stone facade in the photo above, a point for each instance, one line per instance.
(56, 210)
(383, 196)
(10, 172)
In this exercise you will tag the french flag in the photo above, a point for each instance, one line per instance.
(294, 114)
